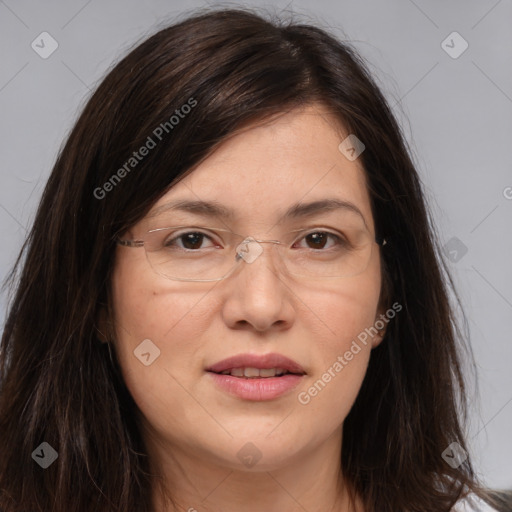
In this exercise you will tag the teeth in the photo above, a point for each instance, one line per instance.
(252, 373)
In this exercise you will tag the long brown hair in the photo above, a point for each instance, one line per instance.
(60, 385)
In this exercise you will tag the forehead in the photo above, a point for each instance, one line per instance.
(268, 169)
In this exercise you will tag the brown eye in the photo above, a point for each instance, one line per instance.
(191, 240)
(319, 240)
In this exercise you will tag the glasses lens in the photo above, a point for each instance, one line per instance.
(342, 258)
(191, 253)
(318, 254)
(197, 253)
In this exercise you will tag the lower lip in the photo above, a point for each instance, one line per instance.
(257, 389)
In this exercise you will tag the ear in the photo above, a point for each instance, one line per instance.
(377, 339)
(381, 323)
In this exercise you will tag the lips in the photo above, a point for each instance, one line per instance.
(256, 362)
(256, 378)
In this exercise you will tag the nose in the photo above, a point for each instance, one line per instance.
(257, 294)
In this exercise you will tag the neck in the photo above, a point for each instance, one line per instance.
(310, 480)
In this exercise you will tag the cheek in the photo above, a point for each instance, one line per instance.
(174, 319)
(147, 308)
(349, 312)
(349, 307)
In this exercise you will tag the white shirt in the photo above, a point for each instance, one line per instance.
(472, 504)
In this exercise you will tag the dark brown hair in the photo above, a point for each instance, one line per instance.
(60, 385)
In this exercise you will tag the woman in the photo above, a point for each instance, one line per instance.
(231, 296)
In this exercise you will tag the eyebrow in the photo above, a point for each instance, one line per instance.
(296, 211)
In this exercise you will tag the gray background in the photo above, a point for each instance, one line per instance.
(456, 114)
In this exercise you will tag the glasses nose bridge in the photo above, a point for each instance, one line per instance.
(268, 241)
(249, 249)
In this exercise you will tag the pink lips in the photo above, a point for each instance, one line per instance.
(257, 389)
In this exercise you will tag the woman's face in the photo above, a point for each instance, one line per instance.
(258, 310)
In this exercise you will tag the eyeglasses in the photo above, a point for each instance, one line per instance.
(347, 254)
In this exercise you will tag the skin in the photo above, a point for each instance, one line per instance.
(192, 428)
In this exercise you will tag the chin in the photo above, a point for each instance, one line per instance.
(258, 452)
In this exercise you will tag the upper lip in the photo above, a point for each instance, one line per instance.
(257, 361)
